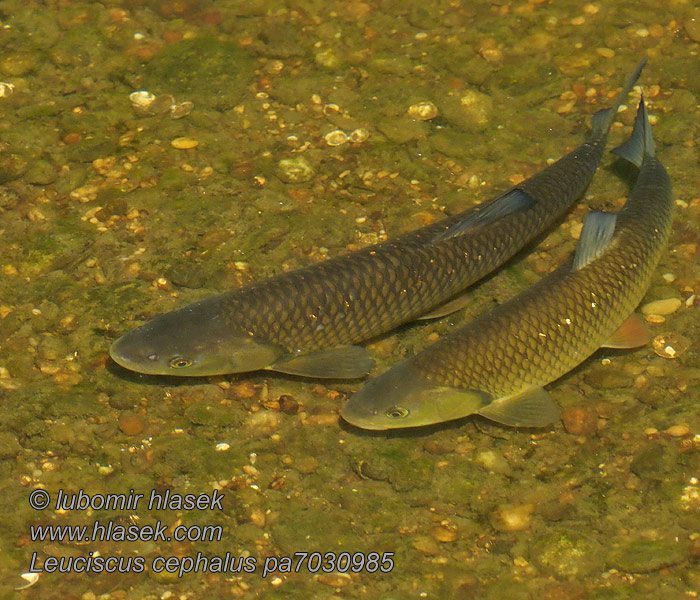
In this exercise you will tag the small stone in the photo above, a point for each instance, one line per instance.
(141, 102)
(423, 111)
(444, 534)
(655, 319)
(288, 405)
(671, 345)
(359, 135)
(580, 420)
(493, 461)
(306, 465)
(295, 170)
(662, 307)
(337, 137)
(567, 554)
(678, 430)
(184, 143)
(178, 111)
(257, 517)
(646, 556)
(244, 391)
(512, 517)
(336, 580)
(131, 423)
(692, 24)
(67, 378)
(607, 378)
(477, 106)
(426, 545)
(263, 423)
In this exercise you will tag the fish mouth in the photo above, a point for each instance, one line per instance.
(117, 354)
(360, 424)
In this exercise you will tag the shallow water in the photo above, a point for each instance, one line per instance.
(111, 213)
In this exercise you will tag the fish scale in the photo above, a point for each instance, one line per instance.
(532, 341)
(497, 364)
(346, 300)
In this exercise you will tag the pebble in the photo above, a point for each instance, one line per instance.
(423, 111)
(359, 135)
(244, 390)
(671, 345)
(444, 534)
(337, 137)
(512, 517)
(425, 545)
(692, 24)
(263, 423)
(257, 517)
(288, 404)
(661, 307)
(184, 143)
(477, 106)
(131, 424)
(678, 430)
(295, 170)
(580, 420)
(646, 556)
(655, 319)
(336, 580)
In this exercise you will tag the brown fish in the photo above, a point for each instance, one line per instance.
(307, 322)
(496, 365)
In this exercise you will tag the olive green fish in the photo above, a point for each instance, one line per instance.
(307, 322)
(496, 365)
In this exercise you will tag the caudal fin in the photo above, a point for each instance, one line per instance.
(641, 142)
(603, 119)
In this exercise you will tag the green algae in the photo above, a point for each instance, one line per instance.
(645, 556)
(77, 75)
(569, 554)
(204, 70)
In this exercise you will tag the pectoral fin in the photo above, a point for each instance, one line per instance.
(532, 408)
(631, 334)
(448, 307)
(343, 362)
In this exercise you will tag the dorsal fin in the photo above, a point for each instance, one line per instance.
(596, 235)
(509, 203)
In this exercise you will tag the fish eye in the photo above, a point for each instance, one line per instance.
(180, 362)
(397, 412)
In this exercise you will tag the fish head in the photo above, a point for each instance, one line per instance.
(403, 397)
(191, 342)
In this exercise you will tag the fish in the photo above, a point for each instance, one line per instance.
(309, 322)
(497, 364)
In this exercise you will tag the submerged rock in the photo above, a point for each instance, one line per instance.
(645, 556)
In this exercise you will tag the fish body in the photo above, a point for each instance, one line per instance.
(497, 364)
(308, 321)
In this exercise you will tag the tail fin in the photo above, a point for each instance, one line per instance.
(603, 119)
(640, 143)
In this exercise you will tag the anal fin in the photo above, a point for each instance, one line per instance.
(533, 407)
(631, 334)
(342, 362)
